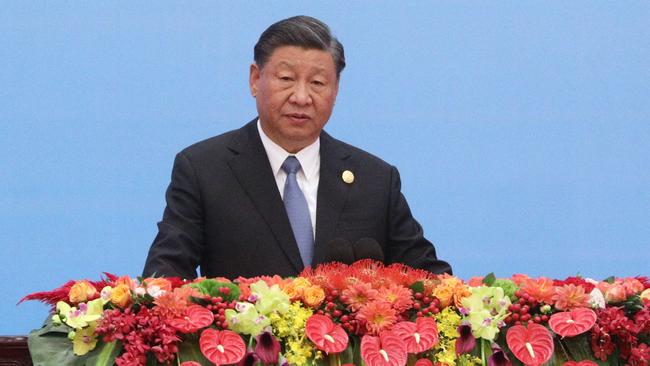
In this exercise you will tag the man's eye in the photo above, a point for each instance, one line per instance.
(285, 78)
(318, 82)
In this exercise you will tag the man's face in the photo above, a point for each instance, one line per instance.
(295, 94)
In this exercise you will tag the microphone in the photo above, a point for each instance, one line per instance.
(339, 250)
(368, 248)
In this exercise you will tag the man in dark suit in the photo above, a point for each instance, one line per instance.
(279, 193)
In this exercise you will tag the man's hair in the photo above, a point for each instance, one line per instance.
(301, 31)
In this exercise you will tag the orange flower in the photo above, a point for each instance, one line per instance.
(82, 291)
(541, 289)
(125, 280)
(615, 293)
(632, 286)
(645, 297)
(570, 296)
(296, 288)
(444, 294)
(451, 290)
(313, 296)
(519, 278)
(121, 296)
(475, 281)
(400, 297)
(358, 295)
(162, 283)
(175, 302)
(378, 315)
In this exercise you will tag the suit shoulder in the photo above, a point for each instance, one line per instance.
(214, 146)
(363, 156)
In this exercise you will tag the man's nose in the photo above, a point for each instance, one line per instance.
(300, 95)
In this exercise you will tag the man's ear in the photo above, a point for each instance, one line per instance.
(253, 77)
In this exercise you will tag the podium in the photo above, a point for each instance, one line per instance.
(14, 351)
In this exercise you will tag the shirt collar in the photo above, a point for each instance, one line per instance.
(309, 156)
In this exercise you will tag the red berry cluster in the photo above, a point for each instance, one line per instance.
(218, 306)
(425, 305)
(526, 309)
(334, 307)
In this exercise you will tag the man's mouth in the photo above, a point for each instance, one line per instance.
(298, 117)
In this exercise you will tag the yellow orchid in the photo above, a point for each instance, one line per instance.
(85, 340)
(78, 318)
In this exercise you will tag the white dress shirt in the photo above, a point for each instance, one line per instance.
(307, 177)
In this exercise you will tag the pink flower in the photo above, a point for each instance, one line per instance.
(615, 293)
(386, 350)
(570, 296)
(400, 297)
(419, 336)
(358, 295)
(574, 322)
(222, 347)
(423, 362)
(378, 315)
(326, 335)
(194, 318)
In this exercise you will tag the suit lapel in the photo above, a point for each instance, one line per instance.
(332, 192)
(251, 167)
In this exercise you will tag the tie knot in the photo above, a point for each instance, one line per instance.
(291, 165)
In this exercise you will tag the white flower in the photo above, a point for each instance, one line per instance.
(596, 299)
(155, 291)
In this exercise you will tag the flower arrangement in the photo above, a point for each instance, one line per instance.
(365, 313)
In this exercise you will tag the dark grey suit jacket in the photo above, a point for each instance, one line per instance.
(224, 212)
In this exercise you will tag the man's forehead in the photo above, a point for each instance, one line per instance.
(290, 64)
(293, 56)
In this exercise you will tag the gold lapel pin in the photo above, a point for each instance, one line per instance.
(348, 177)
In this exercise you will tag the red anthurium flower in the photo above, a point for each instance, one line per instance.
(498, 358)
(580, 363)
(326, 335)
(190, 363)
(533, 345)
(423, 362)
(222, 347)
(572, 323)
(386, 350)
(267, 348)
(418, 336)
(466, 342)
(195, 318)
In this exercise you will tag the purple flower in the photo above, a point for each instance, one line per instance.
(267, 348)
(498, 358)
(466, 342)
(250, 359)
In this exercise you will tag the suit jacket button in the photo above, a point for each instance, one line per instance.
(348, 177)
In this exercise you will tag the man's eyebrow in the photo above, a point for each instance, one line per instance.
(285, 63)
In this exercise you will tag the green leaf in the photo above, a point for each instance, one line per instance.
(489, 279)
(417, 287)
(213, 288)
(610, 279)
(104, 355)
(50, 346)
(347, 356)
(189, 350)
(578, 347)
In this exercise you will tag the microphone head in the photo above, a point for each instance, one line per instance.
(368, 248)
(339, 250)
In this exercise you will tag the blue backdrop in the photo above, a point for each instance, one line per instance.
(521, 129)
